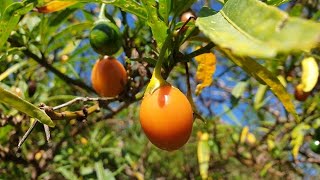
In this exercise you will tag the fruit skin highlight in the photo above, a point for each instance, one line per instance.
(315, 146)
(105, 38)
(108, 77)
(166, 118)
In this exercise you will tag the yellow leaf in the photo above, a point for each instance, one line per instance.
(54, 6)
(206, 68)
(83, 141)
(203, 151)
(251, 139)
(244, 134)
(297, 137)
(310, 74)
(262, 74)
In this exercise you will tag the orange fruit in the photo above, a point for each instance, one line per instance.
(166, 118)
(108, 77)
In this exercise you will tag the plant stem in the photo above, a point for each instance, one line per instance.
(156, 79)
(102, 10)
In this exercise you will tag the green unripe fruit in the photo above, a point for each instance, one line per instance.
(315, 146)
(105, 38)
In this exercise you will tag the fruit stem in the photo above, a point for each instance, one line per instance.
(102, 15)
(156, 79)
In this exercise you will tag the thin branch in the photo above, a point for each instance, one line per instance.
(205, 49)
(47, 132)
(42, 61)
(25, 136)
(83, 99)
(68, 115)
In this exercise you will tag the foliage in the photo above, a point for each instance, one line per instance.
(253, 127)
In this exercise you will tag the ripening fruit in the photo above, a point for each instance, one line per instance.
(108, 77)
(315, 146)
(166, 118)
(186, 15)
(299, 94)
(105, 38)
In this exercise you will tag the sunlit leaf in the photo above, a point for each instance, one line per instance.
(11, 17)
(258, 71)
(206, 68)
(24, 106)
(102, 173)
(251, 28)
(54, 6)
(67, 172)
(158, 27)
(239, 89)
(276, 2)
(129, 6)
(297, 135)
(165, 9)
(203, 155)
(266, 168)
(259, 98)
(244, 133)
(12, 69)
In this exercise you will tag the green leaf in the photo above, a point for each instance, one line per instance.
(129, 6)
(158, 27)
(239, 89)
(228, 112)
(4, 5)
(11, 17)
(276, 2)
(67, 172)
(263, 74)
(24, 106)
(259, 99)
(102, 173)
(12, 69)
(179, 6)
(165, 9)
(251, 28)
(265, 169)
(297, 135)
(203, 152)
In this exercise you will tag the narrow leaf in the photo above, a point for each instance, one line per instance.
(269, 31)
(259, 99)
(132, 7)
(239, 89)
(12, 69)
(10, 19)
(54, 6)
(297, 135)
(179, 6)
(276, 2)
(258, 71)
(158, 27)
(164, 9)
(244, 133)
(203, 152)
(102, 173)
(24, 106)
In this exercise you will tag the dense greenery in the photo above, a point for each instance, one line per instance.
(249, 69)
